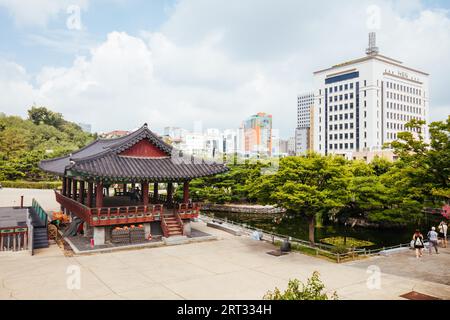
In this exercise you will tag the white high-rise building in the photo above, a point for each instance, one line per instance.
(362, 104)
(305, 104)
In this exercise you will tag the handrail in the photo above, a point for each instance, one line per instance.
(180, 222)
(40, 212)
(161, 197)
(164, 227)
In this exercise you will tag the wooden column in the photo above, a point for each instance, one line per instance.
(99, 195)
(169, 192)
(124, 187)
(64, 186)
(186, 192)
(69, 188)
(74, 189)
(82, 186)
(145, 190)
(90, 194)
(155, 193)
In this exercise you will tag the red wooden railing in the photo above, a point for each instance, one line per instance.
(180, 222)
(164, 227)
(107, 216)
(13, 239)
(188, 210)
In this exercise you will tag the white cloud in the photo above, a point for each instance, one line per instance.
(38, 12)
(223, 61)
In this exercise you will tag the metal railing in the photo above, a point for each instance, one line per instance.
(318, 249)
(40, 212)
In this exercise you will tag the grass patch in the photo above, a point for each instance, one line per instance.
(351, 242)
(309, 251)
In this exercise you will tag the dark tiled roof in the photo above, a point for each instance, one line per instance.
(101, 160)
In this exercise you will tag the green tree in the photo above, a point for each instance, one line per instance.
(426, 165)
(305, 185)
(229, 187)
(42, 115)
(24, 143)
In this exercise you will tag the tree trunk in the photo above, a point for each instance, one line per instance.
(312, 224)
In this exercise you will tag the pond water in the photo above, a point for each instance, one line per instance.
(297, 227)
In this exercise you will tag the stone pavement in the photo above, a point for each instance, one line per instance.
(228, 268)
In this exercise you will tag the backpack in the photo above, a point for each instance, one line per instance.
(418, 241)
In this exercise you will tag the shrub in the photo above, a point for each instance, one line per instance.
(20, 184)
(339, 249)
(296, 290)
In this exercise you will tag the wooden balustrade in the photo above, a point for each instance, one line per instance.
(188, 210)
(161, 197)
(13, 239)
(107, 216)
(180, 222)
(164, 227)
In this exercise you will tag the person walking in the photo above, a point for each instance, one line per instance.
(443, 233)
(432, 240)
(418, 243)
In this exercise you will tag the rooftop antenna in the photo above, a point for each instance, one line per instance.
(372, 49)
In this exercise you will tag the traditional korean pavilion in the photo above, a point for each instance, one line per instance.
(132, 163)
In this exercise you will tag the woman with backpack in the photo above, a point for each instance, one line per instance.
(418, 243)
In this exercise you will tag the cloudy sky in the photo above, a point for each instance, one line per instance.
(170, 63)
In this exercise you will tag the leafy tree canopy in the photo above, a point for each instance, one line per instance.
(24, 143)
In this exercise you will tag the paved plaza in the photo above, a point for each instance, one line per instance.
(228, 268)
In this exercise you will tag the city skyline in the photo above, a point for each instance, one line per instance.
(161, 68)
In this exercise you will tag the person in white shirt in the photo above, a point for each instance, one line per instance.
(433, 240)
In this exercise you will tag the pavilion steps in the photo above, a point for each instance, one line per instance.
(173, 226)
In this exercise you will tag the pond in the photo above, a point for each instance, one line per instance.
(297, 227)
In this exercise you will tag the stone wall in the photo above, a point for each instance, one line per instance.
(242, 208)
